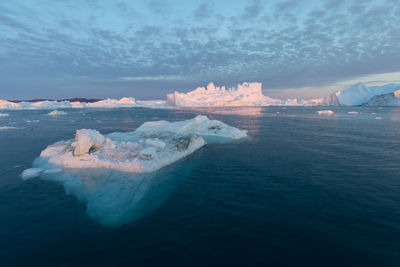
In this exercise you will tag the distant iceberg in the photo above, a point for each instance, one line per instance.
(246, 94)
(359, 94)
(84, 165)
(125, 102)
(389, 99)
(243, 95)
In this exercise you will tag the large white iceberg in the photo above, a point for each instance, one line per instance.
(389, 99)
(359, 94)
(246, 94)
(97, 168)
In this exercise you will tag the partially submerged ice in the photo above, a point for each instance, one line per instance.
(107, 171)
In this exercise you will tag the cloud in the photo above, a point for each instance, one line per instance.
(306, 44)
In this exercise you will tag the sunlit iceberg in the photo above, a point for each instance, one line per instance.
(101, 169)
(246, 94)
(4, 104)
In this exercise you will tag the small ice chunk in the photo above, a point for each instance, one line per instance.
(31, 173)
(325, 112)
(5, 128)
(156, 143)
(378, 118)
(4, 115)
(57, 113)
(352, 112)
(87, 140)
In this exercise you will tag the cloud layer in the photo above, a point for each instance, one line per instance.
(146, 48)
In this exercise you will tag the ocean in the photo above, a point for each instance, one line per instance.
(303, 190)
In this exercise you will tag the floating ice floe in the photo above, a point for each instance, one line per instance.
(352, 112)
(163, 143)
(325, 112)
(57, 113)
(4, 115)
(114, 173)
(5, 128)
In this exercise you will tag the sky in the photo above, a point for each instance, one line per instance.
(146, 49)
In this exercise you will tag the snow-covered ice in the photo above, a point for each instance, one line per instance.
(114, 173)
(57, 113)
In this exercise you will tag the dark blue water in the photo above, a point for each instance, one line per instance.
(305, 190)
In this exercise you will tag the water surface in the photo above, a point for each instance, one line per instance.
(304, 190)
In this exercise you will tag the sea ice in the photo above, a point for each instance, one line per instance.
(352, 112)
(4, 115)
(114, 173)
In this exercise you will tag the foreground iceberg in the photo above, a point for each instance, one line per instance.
(112, 173)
